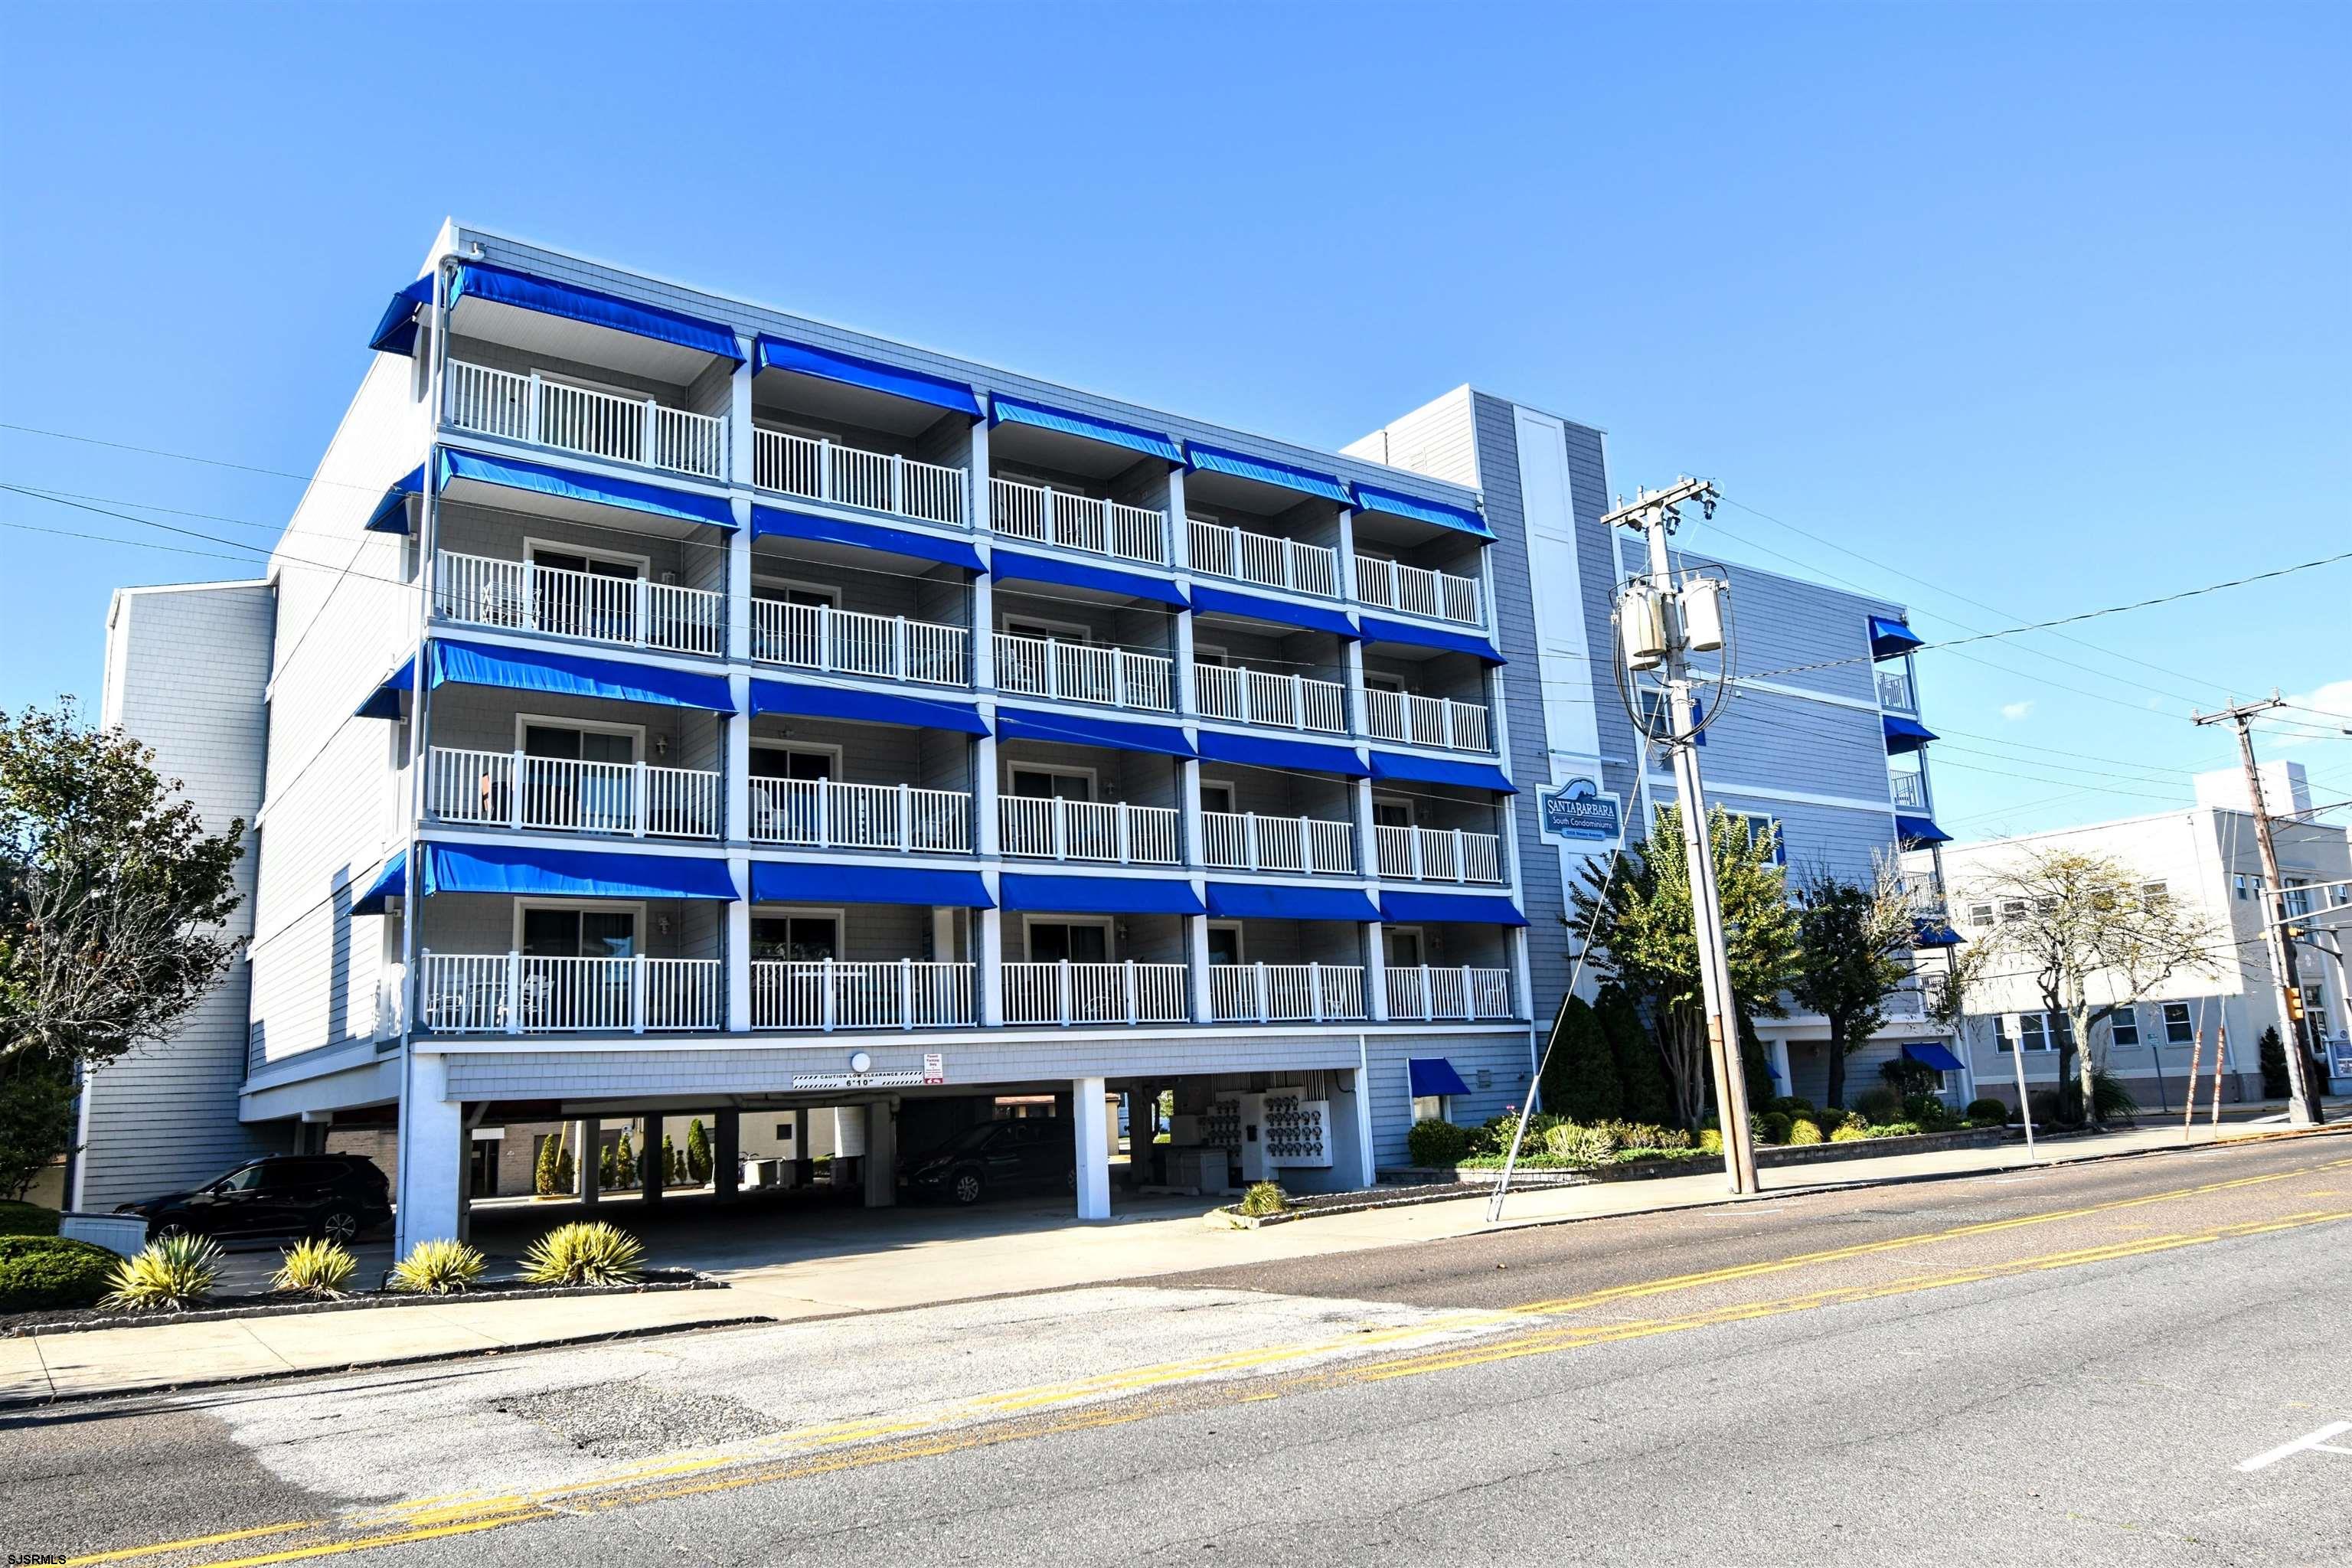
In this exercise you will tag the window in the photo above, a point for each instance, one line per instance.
(579, 933)
(1041, 784)
(1391, 812)
(2012, 910)
(1981, 915)
(2062, 1032)
(2179, 1028)
(1404, 947)
(2314, 1009)
(2001, 1034)
(2123, 1026)
(1225, 942)
(1429, 1108)
(1757, 826)
(799, 939)
(2250, 888)
(2150, 894)
(2031, 1033)
(2298, 898)
(1054, 941)
(1217, 798)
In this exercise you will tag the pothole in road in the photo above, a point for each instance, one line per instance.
(623, 1420)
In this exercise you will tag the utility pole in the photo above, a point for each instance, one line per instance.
(1659, 625)
(2302, 1098)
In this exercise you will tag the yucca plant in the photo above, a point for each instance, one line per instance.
(441, 1268)
(167, 1276)
(316, 1267)
(587, 1252)
(1263, 1198)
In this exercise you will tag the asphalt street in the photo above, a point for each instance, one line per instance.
(2142, 1362)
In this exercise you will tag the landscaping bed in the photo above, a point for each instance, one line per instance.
(1550, 1170)
(273, 1304)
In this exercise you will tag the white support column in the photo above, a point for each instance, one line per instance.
(1347, 553)
(1090, 1126)
(989, 975)
(1351, 1130)
(1499, 720)
(987, 826)
(1359, 717)
(739, 584)
(1368, 838)
(736, 949)
(741, 451)
(433, 1148)
(1188, 798)
(983, 635)
(1777, 1053)
(1196, 965)
(1179, 527)
(1188, 703)
(977, 503)
(1520, 973)
(881, 1155)
(1376, 972)
(587, 1145)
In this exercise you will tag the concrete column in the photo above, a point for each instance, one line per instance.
(1196, 964)
(653, 1168)
(1522, 976)
(804, 1167)
(739, 586)
(987, 829)
(1088, 1127)
(1187, 702)
(983, 516)
(1777, 1053)
(1376, 972)
(1347, 553)
(1188, 801)
(588, 1143)
(881, 1155)
(1498, 719)
(1368, 838)
(983, 628)
(989, 962)
(740, 439)
(1359, 718)
(736, 949)
(726, 1150)
(430, 1198)
(1180, 530)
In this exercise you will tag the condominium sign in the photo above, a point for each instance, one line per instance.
(1579, 811)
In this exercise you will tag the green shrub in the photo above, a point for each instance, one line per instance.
(1710, 1140)
(1878, 1103)
(1778, 1125)
(624, 1163)
(48, 1273)
(1596, 1144)
(1436, 1143)
(1791, 1105)
(673, 1164)
(1908, 1078)
(547, 1171)
(2109, 1098)
(1831, 1120)
(1928, 1112)
(1263, 1198)
(697, 1153)
(26, 1219)
(315, 1267)
(1896, 1128)
(1988, 1112)
(167, 1276)
(1643, 1090)
(1804, 1130)
(2058, 1106)
(588, 1252)
(567, 1174)
(438, 1268)
(1852, 1130)
(2270, 1053)
(1580, 1071)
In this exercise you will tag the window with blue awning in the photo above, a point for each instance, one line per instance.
(815, 700)
(395, 330)
(521, 869)
(1258, 900)
(1440, 770)
(1280, 612)
(1432, 1077)
(1379, 628)
(1934, 933)
(1919, 832)
(1268, 751)
(572, 484)
(1905, 734)
(1005, 564)
(1264, 470)
(850, 370)
(1396, 503)
(482, 280)
(383, 702)
(574, 675)
(785, 522)
(1450, 909)
(391, 513)
(1928, 1054)
(1100, 895)
(1004, 410)
(391, 881)
(779, 882)
(1066, 729)
(1889, 637)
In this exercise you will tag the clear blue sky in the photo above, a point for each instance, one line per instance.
(2046, 306)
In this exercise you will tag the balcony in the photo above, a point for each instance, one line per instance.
(1109, 831)
(560, 795)
(1245, 841)
(1895, 691)
(852, 642)
(523, 994)
(829, 994)
(1285, 993)
(1426, 720)
(1219, 550)
(578, 420)
(1046, 516)
(1910, 790)
(1424, 992)
(1415, 591)
(1439, 855)
(1066, 993)
(824, 470)
(819, 814)
(627, 612)
(1253, 696)
(1085, 673)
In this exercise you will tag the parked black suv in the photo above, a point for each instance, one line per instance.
(997, 1156)
(333, 1195)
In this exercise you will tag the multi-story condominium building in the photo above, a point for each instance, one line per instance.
(2206, 854)
(677, 705)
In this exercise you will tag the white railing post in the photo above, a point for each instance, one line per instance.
(637, 802)
(641, 592)
(898, 484)
(825, 1008)
(1053, 668)
(1061, 984)
(1307, 861)
(515, 793)
(1124, 834)
(1297, 702)
(898, 649)
(1412, 841)
(824, 637)
(1257, 988)
(906, 818)
(906, 992)
(638, 993)
(824, 469)
(530, 596)
(530, 414)
(1469, 997)
(1249, 839)
(1127, 981)
(1460, 856)
(823, 813)
(1119, 677)
(514, 993)
(645, 435)
(1058, 831)
(1314, 985)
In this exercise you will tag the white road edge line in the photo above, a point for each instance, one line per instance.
(2306, 1444)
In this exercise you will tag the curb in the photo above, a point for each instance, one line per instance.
(357, 1301)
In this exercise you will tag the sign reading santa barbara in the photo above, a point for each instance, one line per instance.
(1579, 811)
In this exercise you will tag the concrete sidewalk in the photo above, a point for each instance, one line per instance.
(877, 1260)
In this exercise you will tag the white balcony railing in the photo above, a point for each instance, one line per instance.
(1440, 595)
(826, 994)
(820, 469)
(819, 814)
(1111, 831)
(525, 993)
(1426, 720)
(629, 612)
(1046, 516)
(1439, 855)
(852, 642)
(1219, 550)
(1066, 993)
(1425, 992)
(1245, 841)
(1255, 697)
(1085, 673)
(580, 420)
(566, 795)
(1895, 690)
(1910, 790)
(1284, 993)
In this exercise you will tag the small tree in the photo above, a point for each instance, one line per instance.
(1851, 939)
(547, 1173)
(697, 1153)
(672, 1168)
(1580, 1076)
(624, 1165)
(2270, 1053)
(1643, 1093)
(36, 1100)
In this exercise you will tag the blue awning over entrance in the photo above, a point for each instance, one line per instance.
(1281, 612)
(395, 329)
(831, 365)
(1889, 637)
(1067, 729)
(1100, 895)
(1905, 734)
(1379, 628)
(1015, 411)
(522, 869)
(480, 280)
(783, 522)
(1433, 1075)
(1258, 900)
(1396, 503)
(1440, 770)
(574, 675)
(1266, 752)
(1930, 1055)
(390, 882)
(391, 513)
(1264, 470)
(1013, 563)
(571, 484)
(815, 699)
(383, 702)
(1934, 933)
(779, 882)
(1917, 832)
(1451, 909)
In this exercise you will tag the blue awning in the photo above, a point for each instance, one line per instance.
(1917, 831)
(383, 702)
(1260, 901)
(782, 523)
(815, 699)
(570, 484)
(779, 882)
(1264, 470)
(1934, 933)
(390, 882)
(1013, 563)
(482, 280)
(1930, 1055)
(1889, 638)
(1100, 895)
(1266, 752)
(1281, 612)
(521, 869)
(1379, 628)
(1014, 411)
(1440, 770)
(807, 359)
(1433, 1075)
(1905, 734)
(574, 675)
(1451, 909)
(391, 513)
(1372, 498)
(1064, 728)
(395, 329)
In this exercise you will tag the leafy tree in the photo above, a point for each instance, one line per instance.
(548, 1175)
(1852, 937)
(1580, 1076)
(1641, 919)
(111, 894)
(1644, 1094)
(1754, 1067)
(697, 1153)
(36, 1098)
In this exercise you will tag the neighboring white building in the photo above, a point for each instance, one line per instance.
(2206, 855)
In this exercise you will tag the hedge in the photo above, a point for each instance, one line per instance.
(44, 1273)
